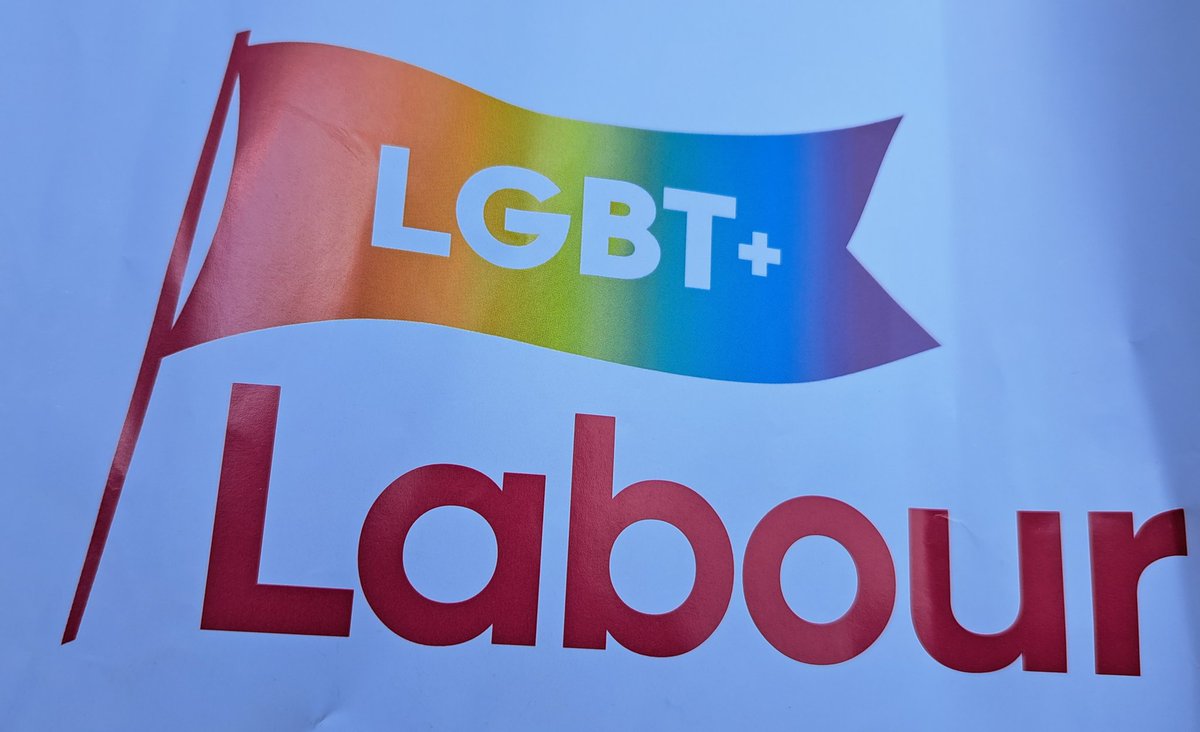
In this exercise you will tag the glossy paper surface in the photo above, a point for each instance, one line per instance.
(268, 466)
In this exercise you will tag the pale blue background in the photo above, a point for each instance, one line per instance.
(1037, 213)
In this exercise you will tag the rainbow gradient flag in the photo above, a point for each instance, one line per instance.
(776, 297)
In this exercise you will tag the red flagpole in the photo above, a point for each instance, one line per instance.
(164, 316)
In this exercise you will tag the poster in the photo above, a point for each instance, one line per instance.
(602, 366)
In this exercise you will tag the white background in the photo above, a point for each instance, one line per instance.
(1036, 213)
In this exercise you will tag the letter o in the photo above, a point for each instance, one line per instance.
(793, 636)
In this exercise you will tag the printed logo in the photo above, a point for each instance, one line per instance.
(366, 188)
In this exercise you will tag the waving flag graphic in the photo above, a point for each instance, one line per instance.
(729, 262)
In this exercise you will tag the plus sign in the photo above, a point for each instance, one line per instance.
(758, 254)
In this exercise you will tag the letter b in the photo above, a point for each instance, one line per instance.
(593, 607)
